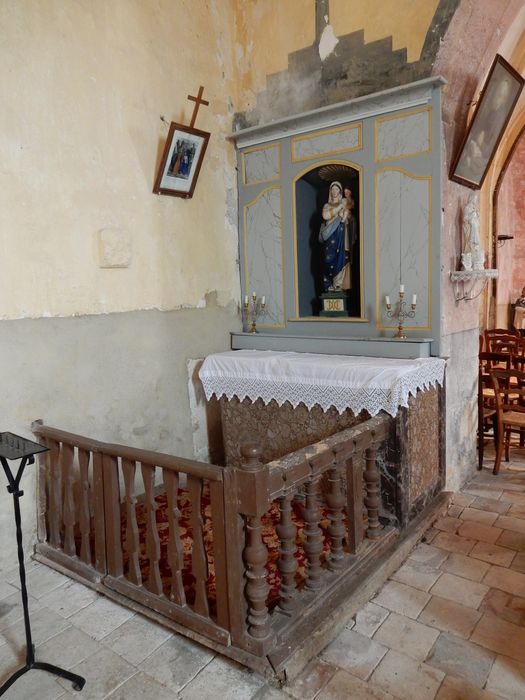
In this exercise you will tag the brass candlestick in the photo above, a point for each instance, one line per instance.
(401, 313)
(252, 309)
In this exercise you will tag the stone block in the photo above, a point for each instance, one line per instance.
(460, 658)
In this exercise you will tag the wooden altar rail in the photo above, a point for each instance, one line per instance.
(90, 493)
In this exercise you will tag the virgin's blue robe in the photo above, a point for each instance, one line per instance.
(334, 255)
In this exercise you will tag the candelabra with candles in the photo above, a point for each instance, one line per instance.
(253, 307)
(401, 312)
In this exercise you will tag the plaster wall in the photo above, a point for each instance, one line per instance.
(511, 221)
(119, 377)
(267, 32)
(81, 139)
(103, 351)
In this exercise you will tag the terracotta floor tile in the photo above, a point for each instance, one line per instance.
(448, 616)
(493, 553)
(453, 543)
(345, 685)
(407, 678)
(461, 658)
(428, 554)
(467, 567)
(458, 689)
(500, 636)
(491, 504)
(505, 579)
(479, 531)
(417, 574)
(447, 524)
(402, 599)
(412, 638)
(354, 653)
(507, 678)
(486, 517)
(369, 619)
(513, 524)
(311, 679)
(505, 606)
(513, 540)
(518, 563)
(460, 590)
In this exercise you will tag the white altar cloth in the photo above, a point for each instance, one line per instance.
(342, 381)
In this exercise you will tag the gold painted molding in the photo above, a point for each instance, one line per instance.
(266, 147)
(322, 132)
(401, 115)
(411, 175)
(249, 204)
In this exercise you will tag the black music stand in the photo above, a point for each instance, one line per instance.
(16, 447)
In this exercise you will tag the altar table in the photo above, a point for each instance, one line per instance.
(287, 400)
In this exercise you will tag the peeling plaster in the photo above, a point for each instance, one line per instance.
(327, 42)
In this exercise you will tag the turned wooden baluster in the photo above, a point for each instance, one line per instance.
(199, 560)
(286, 531)
(313, 545)
(66, 458)
(336, 530)
(154, 583)
(175, 552)
(132, 528)
(84, 515)
(255, 556)
(372, 500)
(55, 488)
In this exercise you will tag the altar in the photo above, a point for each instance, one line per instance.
(285, 401)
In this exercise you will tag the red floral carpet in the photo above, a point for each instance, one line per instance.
(271, 540)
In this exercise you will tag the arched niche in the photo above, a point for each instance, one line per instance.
(316, 295)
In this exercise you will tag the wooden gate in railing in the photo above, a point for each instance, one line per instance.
(185, 539)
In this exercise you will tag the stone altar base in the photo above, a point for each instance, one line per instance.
(412, 470)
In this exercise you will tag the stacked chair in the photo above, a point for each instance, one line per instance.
(501, 392)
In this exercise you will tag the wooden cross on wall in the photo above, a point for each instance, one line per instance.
(198, 102)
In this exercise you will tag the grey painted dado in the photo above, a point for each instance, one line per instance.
(391, 141)
(118, 377)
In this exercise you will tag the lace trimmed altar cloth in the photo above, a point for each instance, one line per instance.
(342, 381)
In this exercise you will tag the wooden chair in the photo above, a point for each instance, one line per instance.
(510, 417)
(486, 414)
(505, 343)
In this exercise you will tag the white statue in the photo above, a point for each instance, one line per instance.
(472, 251)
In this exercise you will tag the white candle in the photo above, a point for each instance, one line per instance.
(263, 300)
(401, 288)
(414, 299)
(387, 299)
(246, 300)
(254, 295)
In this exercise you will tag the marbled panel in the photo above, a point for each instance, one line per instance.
(423, 442)
(263, 252)
(278, 429)
(403, 135)
(336, 140)
(404, 238)
(261, 164)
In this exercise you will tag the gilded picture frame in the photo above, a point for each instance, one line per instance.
(491, 115)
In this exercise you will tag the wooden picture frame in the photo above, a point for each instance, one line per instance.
(498, 98)
(181, 161)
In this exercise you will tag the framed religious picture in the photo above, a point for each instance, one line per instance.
(181, 161)
(491, 115)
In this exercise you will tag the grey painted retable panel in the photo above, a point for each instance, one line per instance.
(400, 207)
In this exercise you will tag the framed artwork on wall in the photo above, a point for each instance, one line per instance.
(181, 161)
(491, 115)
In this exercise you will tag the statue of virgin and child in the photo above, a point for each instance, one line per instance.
(337, 236)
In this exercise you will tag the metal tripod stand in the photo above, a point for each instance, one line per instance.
(16, 447)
